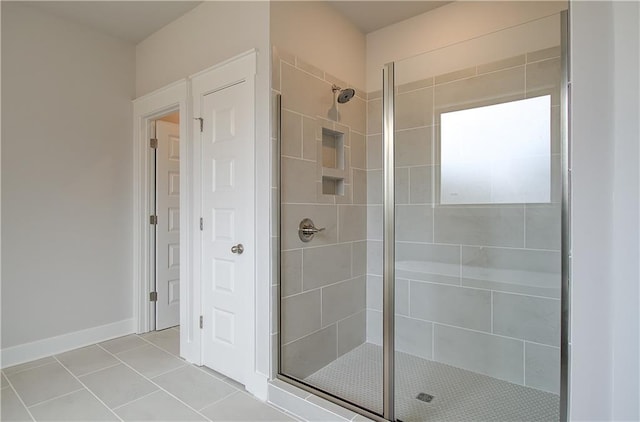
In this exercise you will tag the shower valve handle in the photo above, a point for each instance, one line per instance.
(307, 230)
(311, 230)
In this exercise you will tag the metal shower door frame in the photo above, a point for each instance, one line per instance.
(388, 108)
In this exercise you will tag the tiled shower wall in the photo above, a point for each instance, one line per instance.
(477, 286)
(323, 281)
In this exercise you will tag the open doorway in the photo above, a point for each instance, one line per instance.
(164, 189)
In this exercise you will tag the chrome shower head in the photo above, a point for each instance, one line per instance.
(344, 95)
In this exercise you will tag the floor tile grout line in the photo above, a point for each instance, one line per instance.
(199, 368)
(135, 400)
(184, 365)
(158, 347)
(20, 398)
(98, 370)
(157, 385)
(220, 399)
(26, 369)
(125, 350)
(87, 388)
(56, 397)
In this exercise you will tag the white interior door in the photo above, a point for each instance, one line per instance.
(228, 222)
(168, 227)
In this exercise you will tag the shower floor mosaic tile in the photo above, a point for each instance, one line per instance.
(458, 394)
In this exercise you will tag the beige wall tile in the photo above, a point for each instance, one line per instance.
(374, 222)
(411, 86)
(453, 76)
(374, 187)
(495, 356)
(533, 267)
(401, 185)
(374, 152)
(542, 367)
(420, 185)
(547, 53)
(502, 64)
(543, 78)
(291, 272)
(413, 336)
(300, 315)
(528, 318)
(452, 305)
(326, 265)
(309, 68)
(352, 332)
(322, 215)
(352, 223)
(291, 143)
(413, 147)
(543, 226)
(305, 93)
(298, 180)
(354, 114)
(305, 356)
(414, 109)
(358, 151)
(490, 226)
(343, 299)
(374, 116)
(359, 186)
(414, 223)
(486, 89)
(359, 258)
(374, 257)
(309, 140)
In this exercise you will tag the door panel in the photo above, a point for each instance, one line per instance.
(168, 228)
(228, 203)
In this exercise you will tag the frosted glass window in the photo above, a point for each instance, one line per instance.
(497, 154)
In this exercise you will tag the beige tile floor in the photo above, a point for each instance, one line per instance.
(132, 378)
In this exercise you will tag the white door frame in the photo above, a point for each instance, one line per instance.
(173, 97)
(177, 97)
(227, 73)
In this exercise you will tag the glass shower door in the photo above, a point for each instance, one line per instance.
(478, 228)
(327, 343)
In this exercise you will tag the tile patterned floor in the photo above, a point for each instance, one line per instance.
(458, 394)
(132, 378)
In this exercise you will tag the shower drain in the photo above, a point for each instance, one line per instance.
(425, 397)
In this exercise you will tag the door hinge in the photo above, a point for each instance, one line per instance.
(153, 219)
(201, 122)
(153, 296)
(201, 224)
(153, 143)
(201, 322)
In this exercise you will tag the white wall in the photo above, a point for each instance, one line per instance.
(320, 36)
(207, 35)
(448, 25)
(626, 213)
(604, 364)
(66, 177)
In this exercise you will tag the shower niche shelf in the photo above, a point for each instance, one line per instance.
(333, 162)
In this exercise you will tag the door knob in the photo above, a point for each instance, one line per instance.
(237, 249)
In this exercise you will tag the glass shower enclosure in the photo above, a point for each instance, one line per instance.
(424, 232)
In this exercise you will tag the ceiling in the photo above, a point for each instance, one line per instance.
(130, 21)
(369, 16)
(133, 21)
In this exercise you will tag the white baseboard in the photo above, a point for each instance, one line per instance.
(53, 345)
(258, 385)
